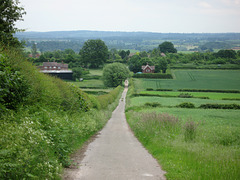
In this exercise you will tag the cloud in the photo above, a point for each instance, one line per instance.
(231, 2)
(205, 4)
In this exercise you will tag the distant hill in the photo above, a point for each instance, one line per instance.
(114, 34)
(141, 41)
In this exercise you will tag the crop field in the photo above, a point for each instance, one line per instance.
(194, 79)
(189, 143)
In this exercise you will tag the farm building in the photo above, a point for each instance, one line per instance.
(148, 69)
(56, 69)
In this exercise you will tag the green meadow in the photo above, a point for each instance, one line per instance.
(189, 143)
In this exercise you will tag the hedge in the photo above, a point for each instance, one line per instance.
(153, 76)
(220, 106)
(209, 90)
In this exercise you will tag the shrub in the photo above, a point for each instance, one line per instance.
(14, 88)
(153, 104)
(153, 76)
(220, 106)
(149, 89)
(164, 89)
(185, 95)
(107, 99)
(186, 105)
(209, 90)
(236, 99)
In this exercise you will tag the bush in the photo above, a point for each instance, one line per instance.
(220, 106)
(149, 89)
(209, 90)
(153, 76)
(186, 105)
(164, 89)
(153, 104)
(107, 99)
(185, 95)
(14, 88)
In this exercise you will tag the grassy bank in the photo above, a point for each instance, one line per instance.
(47, 123)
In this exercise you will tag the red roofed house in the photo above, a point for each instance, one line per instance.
(148, 69)
(50, 66)
(56, 69)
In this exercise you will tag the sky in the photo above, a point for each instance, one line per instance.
(164, 16)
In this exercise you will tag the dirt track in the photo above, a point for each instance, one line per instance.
(116, 154)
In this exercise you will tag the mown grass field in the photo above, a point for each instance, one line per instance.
(189, 143)
(92, 83)
(194, 79)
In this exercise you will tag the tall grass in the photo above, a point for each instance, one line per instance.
(37, 138)
(182, 148)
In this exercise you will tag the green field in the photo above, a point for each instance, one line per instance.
(90, 82)
(194, 79)
(166, 101)
(189, 143)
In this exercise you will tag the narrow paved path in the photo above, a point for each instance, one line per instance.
(116, 154)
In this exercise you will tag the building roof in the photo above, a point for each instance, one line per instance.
(55, 64)
(145, 67)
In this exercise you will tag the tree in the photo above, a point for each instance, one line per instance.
(77, 72)
(34, 50)
(135, 64)
(10, 13)
(162, 65)
(228, 53)
(94, 52)
(114, 74)
(167, 47)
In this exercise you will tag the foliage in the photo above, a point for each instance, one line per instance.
(10, 12)
(104, 100)
(94, 52)
(209, 90)
(163, 64)
(153, 75)
(220, 106)
(134, 64)
(186, 105)
(14, 88)
(77, 72)
(114, 74)
(226, 54)
(153, 104)
(57, 118)
(185, 95)
(167, 47)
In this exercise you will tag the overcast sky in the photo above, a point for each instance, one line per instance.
(174, 16)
